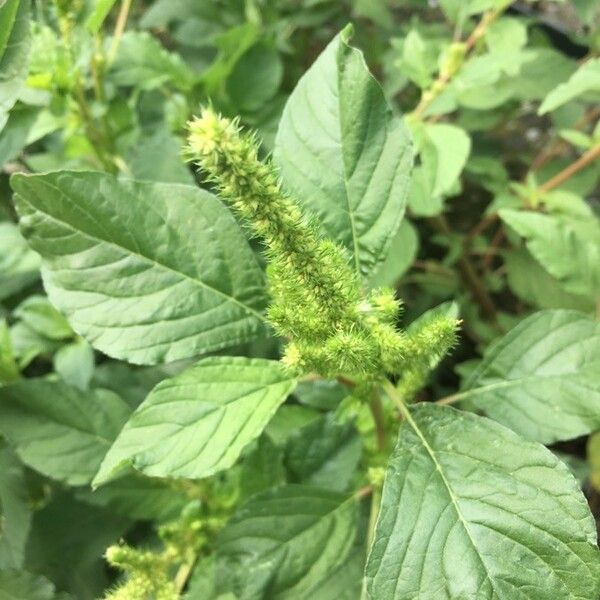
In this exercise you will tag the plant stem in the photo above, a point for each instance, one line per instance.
(555, 148)
(451, 399)
(445, 76)
(119, 29)
(394, 395)
(183, 574)
(379, 420)
(469, 275)
(374, 514)
(583, 161)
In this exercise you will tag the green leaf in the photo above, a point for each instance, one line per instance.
(19, 265)
(38, 314)
(471, 510)
(27, 344)
(139, 498)
(179, 280)
(9, 370)
(533, 284)
(75, 364)
(198, 423)
(262, 468)
(58, 430)
(16, 131)
(67, 544)
(324, 453)
(21, 585)
(542, 379)
(255, 78)
(285, 543)
(98, 14)
(401, 254)
(584, 82)
(567, 247)
(15, 512)
(344, 156)
(156, 156)
(144, 63)
(14, 51)
(444, 155)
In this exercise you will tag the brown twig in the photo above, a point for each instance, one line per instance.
(583, 161)
(469, 275)
(119, 29)
(445, 76)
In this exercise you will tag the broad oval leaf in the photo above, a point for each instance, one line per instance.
(15, 511)
(14, 51)
(471, 510)
(146, 272)
(198, 422)
(585, 81)
(542, 379)
(19, 265)
(287, 542)
(21, 585)
(59, 430)
(568, 247)
(324, 453)
(344, 156)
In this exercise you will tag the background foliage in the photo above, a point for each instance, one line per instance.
(501, 229)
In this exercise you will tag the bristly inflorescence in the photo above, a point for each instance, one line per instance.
(317, 301)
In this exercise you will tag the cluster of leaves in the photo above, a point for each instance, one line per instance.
(186, 415)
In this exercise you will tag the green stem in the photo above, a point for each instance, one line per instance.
(379, 420)
(119, 29)
(447, 74)
(374, 514)
(394, 396)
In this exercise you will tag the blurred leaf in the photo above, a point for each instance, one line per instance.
(584, 82)
(533, 284)
(255, 78)
(9, 370)
(59, 430)
(98, 14)
(16, 131)
(567, 247)
(324, 453)
(402, 253)
(137, 497)
(19, 266)
(15, 512)
(14, 51)
(21, 585)
(38, 314)
(75, 364)
(67, 544)
(144, 63)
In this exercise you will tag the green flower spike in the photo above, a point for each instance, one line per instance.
(317, 300)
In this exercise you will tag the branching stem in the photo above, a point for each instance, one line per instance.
(583, 161)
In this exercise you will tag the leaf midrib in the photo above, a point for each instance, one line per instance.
(502, 384)
(451, 494)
